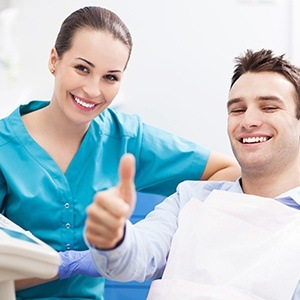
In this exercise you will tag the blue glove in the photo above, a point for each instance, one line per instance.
(76, 263)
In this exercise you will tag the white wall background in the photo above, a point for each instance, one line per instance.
(182, 60)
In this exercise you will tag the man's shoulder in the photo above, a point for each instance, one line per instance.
(201, 189)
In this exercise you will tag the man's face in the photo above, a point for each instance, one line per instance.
(262, 127)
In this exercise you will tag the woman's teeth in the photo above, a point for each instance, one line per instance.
(254, 140)
(84, 104)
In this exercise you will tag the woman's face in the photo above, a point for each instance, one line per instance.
(88, 75)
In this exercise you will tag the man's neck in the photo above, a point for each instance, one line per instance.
(270, 186)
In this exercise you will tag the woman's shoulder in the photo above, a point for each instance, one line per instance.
(7, 131)
(114, 122)
(12, 125)
(112, 115)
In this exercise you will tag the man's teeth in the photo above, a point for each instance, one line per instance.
(84, 104)
(254, 140)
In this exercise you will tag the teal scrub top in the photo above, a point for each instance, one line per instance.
(37, 196)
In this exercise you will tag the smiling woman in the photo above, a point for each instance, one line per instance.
(90, 76)
(69, 148)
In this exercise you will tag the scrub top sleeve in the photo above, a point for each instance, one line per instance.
(3, 191)
(166, 160)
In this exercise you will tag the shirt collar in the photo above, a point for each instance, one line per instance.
(293, 194)
(237, 186)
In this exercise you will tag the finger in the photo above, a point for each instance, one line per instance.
(126, 186)
(101, 218)
(101, 243)
(103, 229)
(127, 169)
(111, 202)
(100, 231)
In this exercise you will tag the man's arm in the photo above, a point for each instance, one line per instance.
(116, 244)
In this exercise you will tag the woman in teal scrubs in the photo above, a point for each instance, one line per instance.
(55, 155)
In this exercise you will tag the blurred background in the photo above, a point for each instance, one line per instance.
(182, 59)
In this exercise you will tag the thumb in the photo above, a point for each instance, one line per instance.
(126, 185)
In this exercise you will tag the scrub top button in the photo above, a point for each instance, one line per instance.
(67, 205)
(68, 246)
(68, 225)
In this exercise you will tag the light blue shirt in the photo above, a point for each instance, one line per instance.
(37, 196)
(144, 251)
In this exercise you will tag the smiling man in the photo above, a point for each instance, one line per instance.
(219, 240)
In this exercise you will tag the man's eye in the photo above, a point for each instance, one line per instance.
(269, 108)
(82, 68)
(237, 110)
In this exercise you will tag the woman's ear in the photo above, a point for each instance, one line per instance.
(53, 60)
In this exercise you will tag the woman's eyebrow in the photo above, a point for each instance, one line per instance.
(85, 60)
(93, 66)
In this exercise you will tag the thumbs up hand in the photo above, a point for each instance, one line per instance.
(107, 215)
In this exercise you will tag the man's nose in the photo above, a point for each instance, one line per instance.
(251, 118)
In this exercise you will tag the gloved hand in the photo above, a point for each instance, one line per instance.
(76, 263)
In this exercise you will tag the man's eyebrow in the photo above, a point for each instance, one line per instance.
(233, 101)
(270, 98)
(260, 98)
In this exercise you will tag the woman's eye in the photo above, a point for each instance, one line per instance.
(82, 68)
(112, 77)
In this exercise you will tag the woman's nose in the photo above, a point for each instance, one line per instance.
(93, 88)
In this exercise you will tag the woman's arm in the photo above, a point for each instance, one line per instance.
(27, 283)
(221, 167)
(72, 263)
